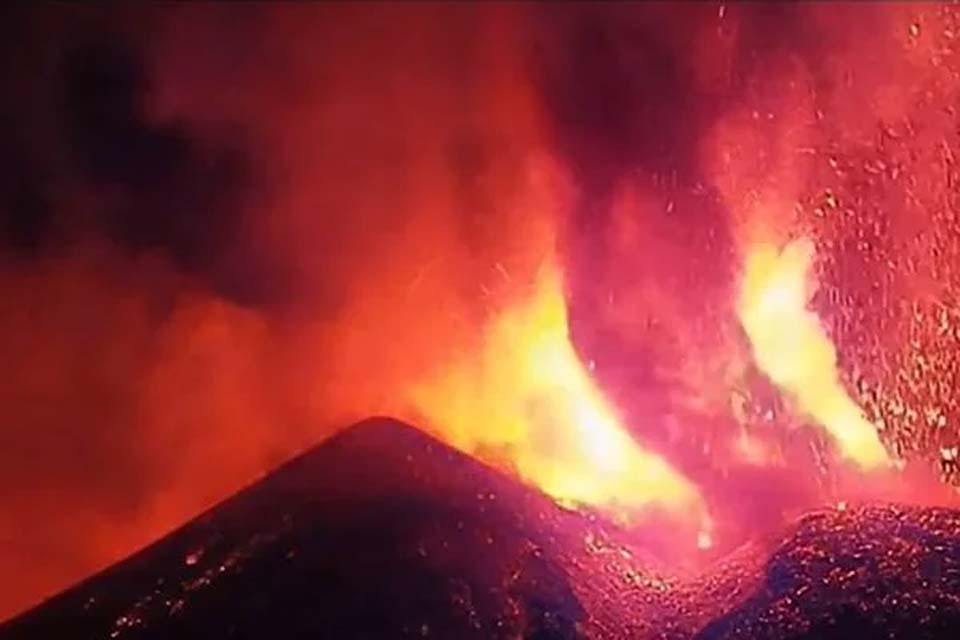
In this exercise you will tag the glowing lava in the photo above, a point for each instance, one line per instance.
(791, 347)
(527, 401)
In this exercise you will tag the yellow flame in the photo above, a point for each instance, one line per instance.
(792, 348)
(528, 398)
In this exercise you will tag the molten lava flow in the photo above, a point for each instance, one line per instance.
(527, 399)
(792, 348)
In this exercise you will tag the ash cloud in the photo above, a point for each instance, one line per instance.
(166, 193)
(227, 233)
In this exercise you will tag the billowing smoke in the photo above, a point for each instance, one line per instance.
(228, 231)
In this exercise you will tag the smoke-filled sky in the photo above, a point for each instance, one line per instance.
(227, 231)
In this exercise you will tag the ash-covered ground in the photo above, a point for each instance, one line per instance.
(383, 532)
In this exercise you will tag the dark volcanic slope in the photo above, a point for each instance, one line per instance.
(380, 532)
(872, 572)
(383, 532)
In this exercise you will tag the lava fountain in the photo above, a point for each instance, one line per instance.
(526, 401)
(793, 349)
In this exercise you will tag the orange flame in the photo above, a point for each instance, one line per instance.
(526, 396)
(791, 347)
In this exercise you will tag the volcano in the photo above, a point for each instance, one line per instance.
(384, 532)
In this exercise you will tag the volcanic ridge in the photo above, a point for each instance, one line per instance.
(384, 532)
